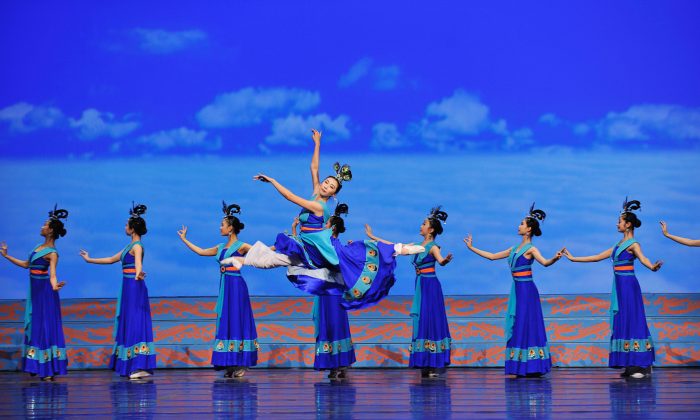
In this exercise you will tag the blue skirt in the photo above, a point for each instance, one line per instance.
(527, 350)
(334, 347)
(236, 341)
(45, 349)
(631, 343)
(430, 347)
(134, 349)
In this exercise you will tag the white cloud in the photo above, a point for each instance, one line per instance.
(387, 136)
(454, 118)
(180, 137)
(93, 124)
(251, 106)
(24, 117)
(550, 119)
(356, 72)
(296, 130)
(387, 78)
(159, 41)
(384, 77)
(651, 122)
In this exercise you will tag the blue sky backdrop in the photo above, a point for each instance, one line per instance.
(481, 107)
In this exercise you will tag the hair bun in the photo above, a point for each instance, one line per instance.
(137, 210)
(230, 209)
(437, 214)
(341, 209)
(57, 213)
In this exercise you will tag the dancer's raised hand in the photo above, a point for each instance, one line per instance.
(316, 135)
(664, 228)
(3, 249)
(263, 178)
(468, 240)
(182, 233)
(85, 255)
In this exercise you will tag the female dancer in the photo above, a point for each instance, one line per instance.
(527, 350)
(134, 354)
(631, 345)
(334, 349)
(679, 239)
(431, 341)
(236, 345)
(363, 271)
(44, 351)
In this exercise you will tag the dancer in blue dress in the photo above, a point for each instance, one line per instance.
(134, 354)
(681, 240)
(362, 271)
(527, 349)
(334, 348)
(44, 351)
(431, 339)
(631, 345)
(236, 344)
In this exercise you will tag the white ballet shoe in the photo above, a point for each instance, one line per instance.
(139, 374)
(408, 249)
(234, 261)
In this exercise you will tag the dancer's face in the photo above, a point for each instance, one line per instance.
(226, 228)
(425, 228)
(46, 231)
(128, 230)
(622, 225)
(329, 186)
(523, 228)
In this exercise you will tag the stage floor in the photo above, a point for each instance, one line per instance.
(589, 393)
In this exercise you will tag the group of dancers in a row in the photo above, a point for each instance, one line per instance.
(342, 276)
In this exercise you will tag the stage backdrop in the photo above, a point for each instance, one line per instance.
(577, 329)
(480, 108)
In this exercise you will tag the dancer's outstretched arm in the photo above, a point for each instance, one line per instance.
(53, 261)
(592, 258)
(435, 252)
(13, 260)
(488, 255)
(107, 260)
(679, 239)
(636, 249)
(205, 252)
(372, 236)
(315, 159)
(535, 253)
(312, 206)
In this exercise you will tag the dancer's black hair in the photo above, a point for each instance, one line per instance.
(533, 219)
(337, 224)
(55, 224)
(436, 216)
(136, 222)
(230, 212)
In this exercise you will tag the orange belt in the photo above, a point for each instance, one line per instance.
(425, 270)
(310, 229)
(229, 269)
(523, 274)
(624, 267)
(39, 272)
(129, 271)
